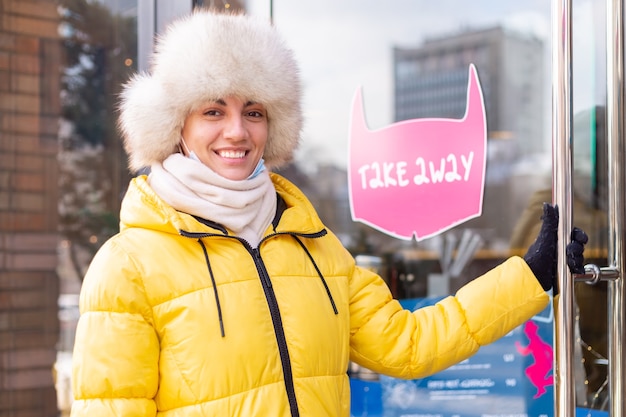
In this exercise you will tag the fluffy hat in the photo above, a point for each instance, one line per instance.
(207, 56)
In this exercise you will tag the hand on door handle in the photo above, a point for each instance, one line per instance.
(574, 251)
(542, 254)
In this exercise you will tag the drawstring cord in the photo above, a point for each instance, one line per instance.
(319, 273)
(217, 298)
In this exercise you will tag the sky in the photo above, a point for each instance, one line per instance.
(344, 45)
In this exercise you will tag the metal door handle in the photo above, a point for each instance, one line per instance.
(594, 274)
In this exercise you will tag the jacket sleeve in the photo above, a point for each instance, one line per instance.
(396, 342)
(116, 352)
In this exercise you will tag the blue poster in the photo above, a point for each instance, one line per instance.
(511, 377)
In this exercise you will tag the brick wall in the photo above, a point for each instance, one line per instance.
(30, 57)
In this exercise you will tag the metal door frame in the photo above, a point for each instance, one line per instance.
(565, 400)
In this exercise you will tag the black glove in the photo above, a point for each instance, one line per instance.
(574, 251)
(542, 254)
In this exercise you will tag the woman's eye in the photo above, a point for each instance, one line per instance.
(255, 113)
(211, 113)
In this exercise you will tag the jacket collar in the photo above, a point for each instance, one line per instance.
(143, 208)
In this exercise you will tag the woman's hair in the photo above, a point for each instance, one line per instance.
(204, 57)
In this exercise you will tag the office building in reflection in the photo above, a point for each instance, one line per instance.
(430, 80)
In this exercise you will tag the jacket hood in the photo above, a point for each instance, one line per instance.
(204, 57)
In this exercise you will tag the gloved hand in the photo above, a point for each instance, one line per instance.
(542, 254)
(574, 251)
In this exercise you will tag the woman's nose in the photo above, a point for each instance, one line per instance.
(235, 128)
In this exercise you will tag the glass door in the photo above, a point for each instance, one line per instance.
(588, 153)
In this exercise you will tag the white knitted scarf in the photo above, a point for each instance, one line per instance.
(245, 207)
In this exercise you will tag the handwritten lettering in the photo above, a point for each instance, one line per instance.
(394, 174)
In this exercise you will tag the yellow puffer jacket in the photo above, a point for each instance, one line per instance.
(180, 319)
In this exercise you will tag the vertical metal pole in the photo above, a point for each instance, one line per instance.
(271, 12)
(146, 24)
(562, 196)
(617, 213)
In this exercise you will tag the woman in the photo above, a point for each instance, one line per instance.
(223, 293)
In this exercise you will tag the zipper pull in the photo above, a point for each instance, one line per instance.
(261, 268)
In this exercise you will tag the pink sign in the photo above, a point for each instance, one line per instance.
(418, 177)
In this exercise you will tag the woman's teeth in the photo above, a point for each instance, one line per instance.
(232, 154)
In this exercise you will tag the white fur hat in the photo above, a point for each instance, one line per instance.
(207, 56)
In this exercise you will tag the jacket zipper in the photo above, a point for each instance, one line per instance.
(272, 303)
(279, 331)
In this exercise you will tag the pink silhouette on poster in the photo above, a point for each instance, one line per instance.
(418, 177)
(539, 372)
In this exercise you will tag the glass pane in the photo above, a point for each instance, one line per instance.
(413, 63)
(590, 185)
(411, 59)
(99, 46)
